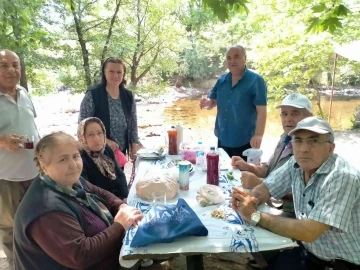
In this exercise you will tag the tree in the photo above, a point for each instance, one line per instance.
(149, 38)
(326, 15)
(22, 33)
(86, 23)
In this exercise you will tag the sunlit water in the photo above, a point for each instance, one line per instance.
(188, 113)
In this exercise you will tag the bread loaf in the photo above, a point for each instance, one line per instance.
(209, 195)
(149, 184)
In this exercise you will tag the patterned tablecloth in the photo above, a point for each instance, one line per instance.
(233, 234)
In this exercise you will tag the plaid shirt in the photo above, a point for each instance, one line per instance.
(332, 197)
(281, 155)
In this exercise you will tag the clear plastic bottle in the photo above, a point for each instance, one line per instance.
(172, 133)
(212, 174)
(180, 133)
(200, 156)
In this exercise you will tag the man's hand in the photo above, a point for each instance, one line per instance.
(250, 180)
(113, 145)
(255, 141)
(242, 202)
(206, 103)
(11, 142)
(239, 163)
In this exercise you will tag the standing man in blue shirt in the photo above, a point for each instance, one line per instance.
(240, 96)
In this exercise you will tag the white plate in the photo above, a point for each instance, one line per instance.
(149, 154)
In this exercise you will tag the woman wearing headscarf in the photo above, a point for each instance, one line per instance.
(65, 222)
(115, 106)
(100, 166)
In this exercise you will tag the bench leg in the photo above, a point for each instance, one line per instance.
(194, 262)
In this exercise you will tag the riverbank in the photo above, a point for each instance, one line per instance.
(155, 115)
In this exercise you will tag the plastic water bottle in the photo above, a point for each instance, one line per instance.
(180, 133)
(200, 156)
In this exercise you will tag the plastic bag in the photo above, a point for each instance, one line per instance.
(120, 158)
(165, 223)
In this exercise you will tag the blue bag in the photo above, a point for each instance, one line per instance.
(164, 223)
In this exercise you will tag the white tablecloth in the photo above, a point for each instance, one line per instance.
(230, 235)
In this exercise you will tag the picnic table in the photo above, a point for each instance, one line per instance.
(231, 234)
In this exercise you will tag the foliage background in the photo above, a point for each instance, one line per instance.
(62, 43)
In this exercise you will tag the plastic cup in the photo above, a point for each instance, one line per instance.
(159, 198)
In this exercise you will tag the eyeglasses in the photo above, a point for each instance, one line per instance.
(311, 141)
(292, 114)
(98, 134)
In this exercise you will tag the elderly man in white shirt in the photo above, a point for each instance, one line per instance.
(326, 192)
(17, 167)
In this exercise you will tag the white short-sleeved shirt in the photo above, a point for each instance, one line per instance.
(18, 118)
(332, 197)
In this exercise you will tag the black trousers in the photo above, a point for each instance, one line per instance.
(235, 151)
(300, 259)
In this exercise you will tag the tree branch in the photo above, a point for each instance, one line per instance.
(94, 26)
(107, 41)
(148, 50)
(146, 70)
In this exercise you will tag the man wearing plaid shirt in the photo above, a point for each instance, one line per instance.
(326, 191)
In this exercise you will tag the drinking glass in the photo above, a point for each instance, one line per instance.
(206, 103)
(159, 198)
(28, 142)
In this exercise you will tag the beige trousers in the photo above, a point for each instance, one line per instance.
(11, 194)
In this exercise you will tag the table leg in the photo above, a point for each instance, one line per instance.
(194, 262)
(258, 257)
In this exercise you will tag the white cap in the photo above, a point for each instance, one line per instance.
(296, 100)
(314, 124)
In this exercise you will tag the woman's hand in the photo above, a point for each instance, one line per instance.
(128, 216)
(133, 151)
(113, 145)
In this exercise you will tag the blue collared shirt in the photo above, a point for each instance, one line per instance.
(236, 107)
(332, 197)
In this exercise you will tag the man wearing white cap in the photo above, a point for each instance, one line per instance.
(294, 108)
(326, 191)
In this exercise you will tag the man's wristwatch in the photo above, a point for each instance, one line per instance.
(255, 218)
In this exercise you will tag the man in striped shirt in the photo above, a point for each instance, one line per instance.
(326, 191)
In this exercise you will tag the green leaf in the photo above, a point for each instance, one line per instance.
(331, 24)
(341, 10)
(319, 8)
(314, 23)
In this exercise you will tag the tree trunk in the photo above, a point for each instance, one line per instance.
(23, 79)
(110, 32)
(18, 41)
(84, 51)
(178, 83)
(318, 103)
(133, 78)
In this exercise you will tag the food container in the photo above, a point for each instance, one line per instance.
(188, 152)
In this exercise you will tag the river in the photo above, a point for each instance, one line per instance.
(187, 112)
